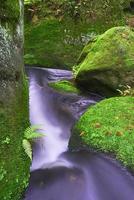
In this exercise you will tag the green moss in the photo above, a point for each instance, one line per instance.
(9, 11)
(57, 36)
(14, 164)
(117, 44)
(109, 61)
(42, 43)
(86, 50)
(64, 86)
(109, 127)
(53, 43)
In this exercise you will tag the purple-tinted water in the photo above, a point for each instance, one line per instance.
(56, 173)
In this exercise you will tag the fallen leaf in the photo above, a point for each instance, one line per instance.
(108, 133)
(116, 117)
(119, 133)
(82, 133)
(130, 127)
(97, 125)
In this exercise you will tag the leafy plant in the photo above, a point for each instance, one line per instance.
(30, 134)
(28, 148)
(3, 172)
(27, 2)
(6, 141)
(126, 90)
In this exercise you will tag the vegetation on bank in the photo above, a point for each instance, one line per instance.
(108, 126)
(31, 133)
(52, 43)
(106, 12)
(56, 31)
(64, 86)
(9, 11)
(14, 164)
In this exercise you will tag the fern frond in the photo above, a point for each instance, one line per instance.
(35, 135)
(31, 133)
(119, 91)
(28, 148)
(128, 87)
(35, 127)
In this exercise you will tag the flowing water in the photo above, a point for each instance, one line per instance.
(59, 174)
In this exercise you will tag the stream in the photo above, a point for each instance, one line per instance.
(56, 172)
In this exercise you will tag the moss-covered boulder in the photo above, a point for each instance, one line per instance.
(14, 164)
(108, 63)
(108, 126)
(64, 86)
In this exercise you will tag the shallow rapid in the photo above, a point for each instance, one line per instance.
(59, 174)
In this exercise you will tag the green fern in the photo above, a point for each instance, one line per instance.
(27, 148)
(29, 134)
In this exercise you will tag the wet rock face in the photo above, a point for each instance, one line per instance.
(13, 102)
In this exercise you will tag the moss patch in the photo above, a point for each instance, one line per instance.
(9, 11)
(109, 62)
(53, 43)
(42, 44)
(14, 164)
(109, 127)
(64, 86)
